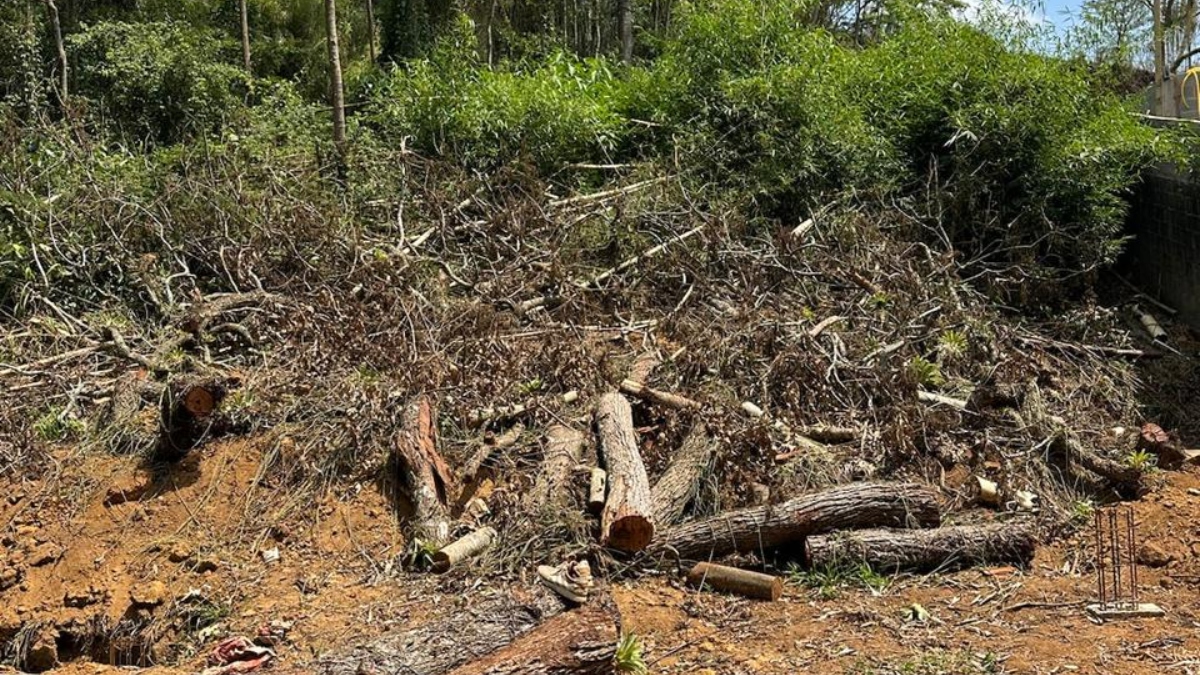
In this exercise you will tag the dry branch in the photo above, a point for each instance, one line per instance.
(477, 460)
(663, 398)
(762, 528)
(941, 549)
(734, 580)
(627, 522)
(423, 472)
(1041, 423)
(677, 486)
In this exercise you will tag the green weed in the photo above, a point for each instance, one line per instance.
(629, 656)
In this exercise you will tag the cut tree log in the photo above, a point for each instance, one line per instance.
(579, 642)
(627, 521)
(762, 528)
(678, 484)
(734, 580)
(423, 472)
(662, 398)
(564, 447)
(476, 628)
(187, 410)
(597, 490)
(462, 549)
(942, 549)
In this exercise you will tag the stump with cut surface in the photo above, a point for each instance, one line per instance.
(762, 528)
(678, 484)
(627, 521)
(941, 549)
(578, 642)
(423, 473)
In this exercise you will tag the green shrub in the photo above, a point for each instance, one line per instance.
(159, 82)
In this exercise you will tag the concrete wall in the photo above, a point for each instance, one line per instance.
(1165, 252)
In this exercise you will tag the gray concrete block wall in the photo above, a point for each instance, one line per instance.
(1165, 252)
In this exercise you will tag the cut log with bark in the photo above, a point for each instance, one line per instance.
(480, 626)
(187, 411)
(679, 483)
(943, 549)
(579, 642)
(423, 473)
(564, 447)
(663, 398)
(762, 528)
(463, 548)
(734, 580)
(627, 522)
(597, 489)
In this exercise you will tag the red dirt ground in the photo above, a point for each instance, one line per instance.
(74, 560)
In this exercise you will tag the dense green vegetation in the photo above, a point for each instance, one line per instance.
(1013, 156)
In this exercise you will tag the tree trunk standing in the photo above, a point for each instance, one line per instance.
(761, 528)
(625, 22)
(371, 30)
(336, 96)
(1160, 58)
(245, 34)
(60, 48)
(941, 549)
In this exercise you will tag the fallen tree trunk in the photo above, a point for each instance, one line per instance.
(734, 580)
(475, 630)
(766, 527)
(564, 446)
(423, 472)
(942, 549)
(627, 522)
(579, 642)
(677, 486)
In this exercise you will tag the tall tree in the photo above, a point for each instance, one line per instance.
(56, 29)
(245, 34)
(337, 98)
(625, 22)
(371, 29)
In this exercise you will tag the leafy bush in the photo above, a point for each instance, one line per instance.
(160, 82)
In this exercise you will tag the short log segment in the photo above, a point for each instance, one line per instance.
(597, 489)
(762, 528)
(462, 549)
(564, 446)
(678, 484)
(942, 549)
(579, 642)
(479, 627)
(734, 580)
(662, 398)
(627, 522)
(423, 473)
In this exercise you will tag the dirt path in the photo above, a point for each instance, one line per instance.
(103, 566)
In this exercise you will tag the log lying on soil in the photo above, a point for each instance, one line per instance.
(564, 446)
(761, 528)
(479, 628)
(677, 486)
(941, 549)
(423, 473)
(627, 522)
(463, 548)
(578, 642)
(734, 580)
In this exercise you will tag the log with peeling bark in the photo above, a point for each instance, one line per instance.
(480, 626)
(678, 484)
(762, 528)
(663, 398)
(564, 447)
(942, 549)
(462, 549)
(734, 580)
(423, 473)
(627, 521)
(579, 642)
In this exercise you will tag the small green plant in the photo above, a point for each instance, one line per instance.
(629, 655)
(420, 554)
(881, 300)
(826, 581)
(531, 387)
(1082, 510)
(53, 426)
(925, 373)
(872, 580)
(952, 344)
(1141, 460)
